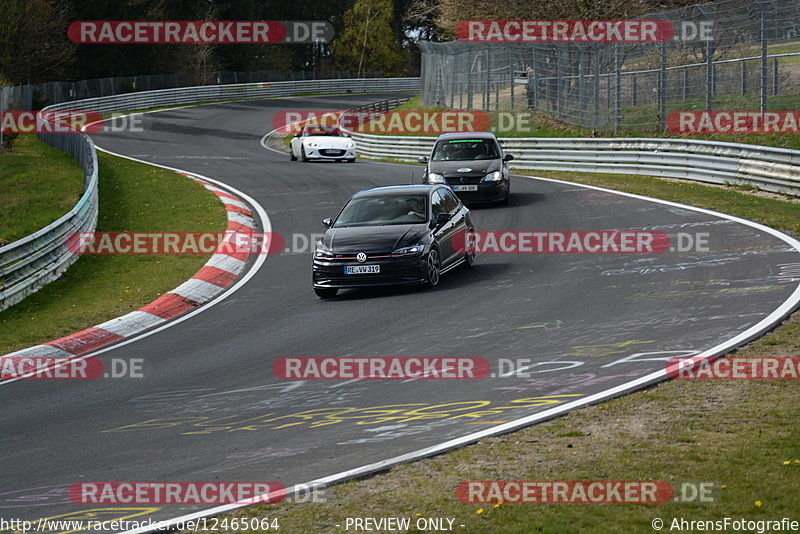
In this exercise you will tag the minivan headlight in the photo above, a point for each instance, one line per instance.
(495, 176)
(434, 178)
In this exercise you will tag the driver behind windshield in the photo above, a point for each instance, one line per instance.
(416, 207)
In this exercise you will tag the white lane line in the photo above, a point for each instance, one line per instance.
(266, 225)
(762, 326)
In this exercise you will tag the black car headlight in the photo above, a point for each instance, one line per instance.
(495, 176)
(435, 178)
(322, 252)
(409, 251)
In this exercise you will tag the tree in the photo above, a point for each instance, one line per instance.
(33, 40)
(368, 42)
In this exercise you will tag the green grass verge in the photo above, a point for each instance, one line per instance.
(739, 435)
(133, 197)
(38, 184)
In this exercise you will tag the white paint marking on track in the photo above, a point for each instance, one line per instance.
(266, 224)
(761, 327)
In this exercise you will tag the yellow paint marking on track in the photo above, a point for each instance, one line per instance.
(83, 520)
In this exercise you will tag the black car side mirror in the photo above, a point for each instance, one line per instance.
(423, 159)
(508, 157)
(327, 223)
(297, 135)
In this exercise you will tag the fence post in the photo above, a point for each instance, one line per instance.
(744, 77)
(685, 84)
(559, 80)
(535, 81)
(633, 89)
(709, 74)
(581, 85)
(513, 82)
(662, 89)
(617, 88)
(763, 37)
(774, 76)
(596, 117)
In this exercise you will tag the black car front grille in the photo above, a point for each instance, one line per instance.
(331, 152)
(458, 180)
(352, 257)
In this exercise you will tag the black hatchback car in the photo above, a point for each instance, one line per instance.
(472, 164)
(407, 234)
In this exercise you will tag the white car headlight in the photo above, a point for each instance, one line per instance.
(310, 143)
(350, 144)
(434, 178)
(495, 176)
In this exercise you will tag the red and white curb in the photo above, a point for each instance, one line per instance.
(219, 273)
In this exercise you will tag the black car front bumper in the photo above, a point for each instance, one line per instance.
(487, 191)
(394, 270)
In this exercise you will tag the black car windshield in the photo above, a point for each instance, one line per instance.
(377, 210)
(465, 150)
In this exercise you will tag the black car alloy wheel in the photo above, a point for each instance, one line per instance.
(434, 267)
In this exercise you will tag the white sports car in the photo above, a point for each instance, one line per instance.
(317, 142)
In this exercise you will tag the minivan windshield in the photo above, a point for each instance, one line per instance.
(465, 150)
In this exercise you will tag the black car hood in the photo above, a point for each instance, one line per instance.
(373, 239)
(478, 167)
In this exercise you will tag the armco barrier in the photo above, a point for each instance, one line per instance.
(767, 168)
(242, 91)
(30, 263)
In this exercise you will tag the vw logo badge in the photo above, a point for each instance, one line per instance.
(361, 257)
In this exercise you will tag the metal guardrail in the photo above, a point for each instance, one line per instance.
(32, 262)
(767, 168)
(243, 91)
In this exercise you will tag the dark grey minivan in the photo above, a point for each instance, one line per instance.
(472, 164)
